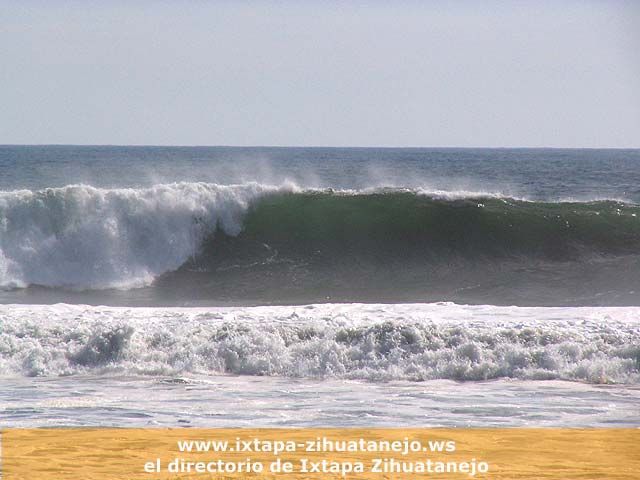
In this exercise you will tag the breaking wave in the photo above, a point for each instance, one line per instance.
(90, 238)
(233, 237)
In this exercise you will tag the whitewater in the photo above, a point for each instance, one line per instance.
(84, 237)
(319, 365)
(373, 342)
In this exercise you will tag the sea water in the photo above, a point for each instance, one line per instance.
(346, 287)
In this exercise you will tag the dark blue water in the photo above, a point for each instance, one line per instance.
(538, 174)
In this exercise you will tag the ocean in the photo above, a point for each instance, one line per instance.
(319, 286)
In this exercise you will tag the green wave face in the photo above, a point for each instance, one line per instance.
(402, 246)
(392, 226)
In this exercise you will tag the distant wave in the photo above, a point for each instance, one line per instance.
(352, 341)
(81, 237)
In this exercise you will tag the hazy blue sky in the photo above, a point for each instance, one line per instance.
(459, 73)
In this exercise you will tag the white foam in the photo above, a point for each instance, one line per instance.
(353, 341)
(89, 238)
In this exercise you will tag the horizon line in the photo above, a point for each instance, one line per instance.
(337, 147)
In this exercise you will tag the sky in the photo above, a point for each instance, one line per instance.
(321, 73)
